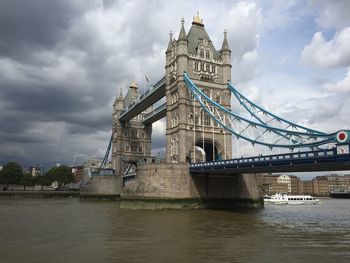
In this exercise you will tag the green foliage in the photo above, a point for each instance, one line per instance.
(27, 180)
(11, 173)
(62, 175)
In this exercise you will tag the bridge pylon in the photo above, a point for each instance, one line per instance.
(190, 132)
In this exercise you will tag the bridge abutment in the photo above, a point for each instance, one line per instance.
(171, 186)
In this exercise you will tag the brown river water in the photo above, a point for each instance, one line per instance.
(66, 230)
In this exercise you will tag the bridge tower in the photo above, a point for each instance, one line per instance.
(132, 139)
(190, 131)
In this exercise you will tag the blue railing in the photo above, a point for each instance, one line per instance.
(258, 160)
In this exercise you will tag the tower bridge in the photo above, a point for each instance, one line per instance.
(199, 169)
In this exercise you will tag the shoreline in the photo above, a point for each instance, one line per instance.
(39, 194)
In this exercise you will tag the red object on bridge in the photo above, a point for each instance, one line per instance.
(342, 136)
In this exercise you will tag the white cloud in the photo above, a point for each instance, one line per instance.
(331, 13)
(340, 86)
(332, 53)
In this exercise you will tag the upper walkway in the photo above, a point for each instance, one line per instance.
(312, 161)
(146, 100)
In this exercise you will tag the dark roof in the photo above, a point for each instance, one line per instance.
(196, 35)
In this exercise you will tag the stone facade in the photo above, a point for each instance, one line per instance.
(101, 187)
(189, 132)
(131, 140)
(171, 186)
(187, 124)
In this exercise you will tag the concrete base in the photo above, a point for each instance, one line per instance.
(171, 186)
(101, 188)
(190, 203)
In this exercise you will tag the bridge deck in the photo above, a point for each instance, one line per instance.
(323, 160)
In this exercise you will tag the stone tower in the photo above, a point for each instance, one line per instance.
(190, 132)
(131, 140)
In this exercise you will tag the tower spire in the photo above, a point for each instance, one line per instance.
(121, 94)
(225, 46)
(170, 42)
(182, 35)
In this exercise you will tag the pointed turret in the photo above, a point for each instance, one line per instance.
(225, 46)
(121, 97)
(182, 35)
(225, 54)
(170, 44)
(118, 104)
(131, 94)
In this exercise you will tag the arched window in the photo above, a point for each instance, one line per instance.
(208, 67)
(201, 53)
(205, 118)
(207, 54)
(196, 66)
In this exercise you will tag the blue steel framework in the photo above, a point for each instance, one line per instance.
(271, 132)
(263, 128)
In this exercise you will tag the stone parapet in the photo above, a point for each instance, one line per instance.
(101, 186)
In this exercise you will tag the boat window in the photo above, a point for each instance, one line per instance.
(295, 155)
(303, 155)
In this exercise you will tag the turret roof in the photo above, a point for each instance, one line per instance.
(195, 36)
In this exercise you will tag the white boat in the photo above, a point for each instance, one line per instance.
(281, 198)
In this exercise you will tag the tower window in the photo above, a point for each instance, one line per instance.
(205, 118)
(196, 66)
(208, 67)
(134, 133)
(134, 146)
(207, 54)
(201, 53)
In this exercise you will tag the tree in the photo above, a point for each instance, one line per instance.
(42, 180)
(27, 180)
(11, 173)
(62, 175)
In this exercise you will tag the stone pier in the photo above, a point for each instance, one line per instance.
(171, 186)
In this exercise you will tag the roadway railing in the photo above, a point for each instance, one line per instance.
(266, 159)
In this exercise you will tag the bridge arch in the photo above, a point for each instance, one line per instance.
(206, 149)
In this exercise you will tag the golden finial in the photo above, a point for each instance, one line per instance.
(133, 84)
(198, 20)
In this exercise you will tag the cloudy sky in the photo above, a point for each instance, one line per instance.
(63, 61)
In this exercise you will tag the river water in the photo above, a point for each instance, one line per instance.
(66, 230)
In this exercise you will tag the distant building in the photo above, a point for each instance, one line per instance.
(78, 173)
(338, 182)
(306, 187)
(295, 184)
(272, 184)
(34, 170)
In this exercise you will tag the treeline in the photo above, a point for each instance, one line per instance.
(12, 173)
